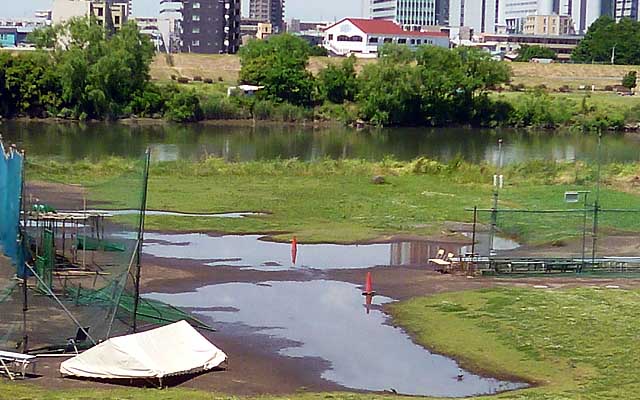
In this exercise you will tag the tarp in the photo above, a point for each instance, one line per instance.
(174, 349)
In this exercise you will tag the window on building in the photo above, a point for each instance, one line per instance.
(196, 5)
(373, 40)
(388, 40)
(195, 43)
(330, 36)
(343, 38)
(116, 20)
(100, 12)
(195, 18)
(402, 41)
(196, 30)
(355, 38)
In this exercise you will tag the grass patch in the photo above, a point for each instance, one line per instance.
(574, 344)
(335, 200)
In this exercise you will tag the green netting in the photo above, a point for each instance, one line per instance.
(83, 262)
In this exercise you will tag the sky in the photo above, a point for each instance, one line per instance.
(310, 10)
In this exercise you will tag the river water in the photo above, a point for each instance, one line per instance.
(70, 141)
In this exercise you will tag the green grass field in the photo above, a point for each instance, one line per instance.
(335, 201)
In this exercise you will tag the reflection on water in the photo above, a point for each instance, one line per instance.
(191, 142)
(325, 320)
(251, 252)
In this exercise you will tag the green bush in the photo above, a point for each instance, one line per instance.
(184, 106)
(220, 107)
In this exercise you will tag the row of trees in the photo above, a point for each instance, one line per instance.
(84, 74)
(608, 41)
(432, 85)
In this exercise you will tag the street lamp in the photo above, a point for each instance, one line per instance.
(574, 197)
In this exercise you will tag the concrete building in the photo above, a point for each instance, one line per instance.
(150, 26)
(363, 37)
(271, 11)
(110, 14)
(626, 9)
(482, 16)
(211, 26)
(554, 25)
(170, 25)
(503, 43)
(411, 14)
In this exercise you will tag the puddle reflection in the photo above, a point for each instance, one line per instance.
(325, 320)
(251, 252)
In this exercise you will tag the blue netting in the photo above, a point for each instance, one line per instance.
(11, 164)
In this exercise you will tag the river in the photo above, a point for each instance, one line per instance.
(94, 141)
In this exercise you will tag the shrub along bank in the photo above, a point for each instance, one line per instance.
(86, 74)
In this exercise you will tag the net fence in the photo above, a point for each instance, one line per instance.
(80, 259)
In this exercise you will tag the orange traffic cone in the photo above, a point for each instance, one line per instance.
(368, 287)
(294, 250)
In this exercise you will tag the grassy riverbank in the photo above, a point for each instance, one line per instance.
(574, 344)
(227, 67)
(336, 201)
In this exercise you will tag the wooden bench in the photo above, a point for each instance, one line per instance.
(15, 364)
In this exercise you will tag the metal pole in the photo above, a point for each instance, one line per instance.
(25, 276)
(494, 210)
(584, 230)
(143, 210)
(473, 238)
(596, 204)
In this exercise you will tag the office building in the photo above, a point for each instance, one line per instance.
(271, 11)
(410, 14)
(482, 16)
(211, 26)
(554, 25)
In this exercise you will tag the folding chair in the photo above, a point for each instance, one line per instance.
(79, 339)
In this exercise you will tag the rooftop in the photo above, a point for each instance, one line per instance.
(385, 27)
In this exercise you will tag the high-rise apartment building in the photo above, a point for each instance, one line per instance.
(626, 9)
(410, 14)
(210, 26)
(271, 11)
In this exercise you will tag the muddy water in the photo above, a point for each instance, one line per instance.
(328, 320)
(251, 251)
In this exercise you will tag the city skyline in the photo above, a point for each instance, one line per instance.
(302, 9)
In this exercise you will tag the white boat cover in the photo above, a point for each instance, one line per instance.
(174, 349)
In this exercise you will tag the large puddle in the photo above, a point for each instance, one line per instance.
(250, 251)
(329, 320)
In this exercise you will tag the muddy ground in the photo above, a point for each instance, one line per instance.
(255, 366)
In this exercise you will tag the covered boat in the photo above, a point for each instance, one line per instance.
(171, 350)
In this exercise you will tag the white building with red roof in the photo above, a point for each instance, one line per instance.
(363, 37)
